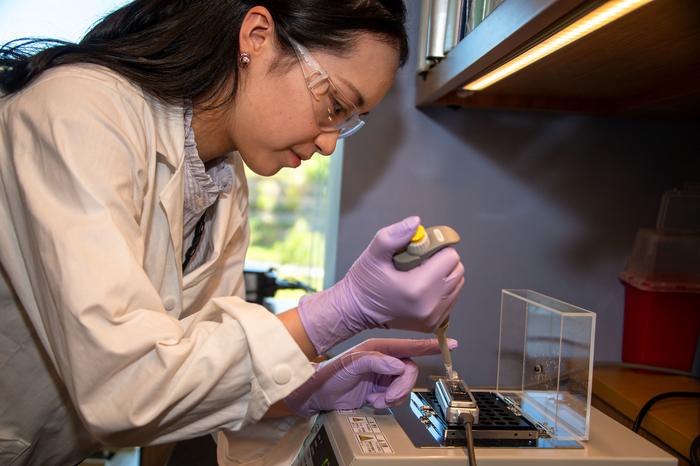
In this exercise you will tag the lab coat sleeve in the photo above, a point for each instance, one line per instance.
(79, 158)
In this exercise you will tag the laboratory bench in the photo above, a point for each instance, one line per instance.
(618, 395)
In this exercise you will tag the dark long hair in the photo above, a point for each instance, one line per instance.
(188, 49)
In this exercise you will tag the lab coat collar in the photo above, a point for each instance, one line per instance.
(170, 146)
(170, 133)
(172, 200)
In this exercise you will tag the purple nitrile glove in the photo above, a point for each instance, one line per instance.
(377, 371)
(375, 294)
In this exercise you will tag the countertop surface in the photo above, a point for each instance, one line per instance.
(676, 421)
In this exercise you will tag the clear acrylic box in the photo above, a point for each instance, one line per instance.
(545, 362)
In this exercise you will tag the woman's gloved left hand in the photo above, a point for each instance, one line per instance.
(378, 371)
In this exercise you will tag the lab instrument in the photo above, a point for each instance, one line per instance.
(538, 413)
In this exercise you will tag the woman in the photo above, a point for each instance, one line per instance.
(124, 225)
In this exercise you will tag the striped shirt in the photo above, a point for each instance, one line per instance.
(203, 185)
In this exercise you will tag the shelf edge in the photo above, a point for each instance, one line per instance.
(508, 27)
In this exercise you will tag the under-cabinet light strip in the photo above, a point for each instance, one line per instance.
(594, 20)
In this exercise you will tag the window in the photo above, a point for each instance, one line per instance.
(293, 216)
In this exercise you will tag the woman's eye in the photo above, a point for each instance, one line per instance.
(337, 107)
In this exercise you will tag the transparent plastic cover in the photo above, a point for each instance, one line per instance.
(680, 212)
(545, 361)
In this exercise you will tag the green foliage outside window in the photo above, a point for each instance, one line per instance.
(288, 215)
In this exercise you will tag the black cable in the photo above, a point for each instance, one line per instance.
(293, 285)
(694, 447)
(468, 419)
(647, 406)
(198, 230)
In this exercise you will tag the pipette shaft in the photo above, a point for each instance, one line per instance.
(441, 334)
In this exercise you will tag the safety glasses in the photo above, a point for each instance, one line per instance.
(333, 111)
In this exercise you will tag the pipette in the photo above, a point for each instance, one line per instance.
(424, 244)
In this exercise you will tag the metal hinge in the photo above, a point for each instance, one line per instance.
(545, 431)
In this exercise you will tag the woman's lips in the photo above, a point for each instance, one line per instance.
(296, 160)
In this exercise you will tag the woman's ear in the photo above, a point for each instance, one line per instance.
(257, 32)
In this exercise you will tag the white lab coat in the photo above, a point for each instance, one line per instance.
(102, 340)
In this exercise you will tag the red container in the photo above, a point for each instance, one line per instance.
(661, 327)
(662, 287)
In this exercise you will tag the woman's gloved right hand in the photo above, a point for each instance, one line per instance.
(375, 294)
(378, 371)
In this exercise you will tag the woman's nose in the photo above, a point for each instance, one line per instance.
(325, 142)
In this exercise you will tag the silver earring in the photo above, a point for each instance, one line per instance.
(244, 59)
